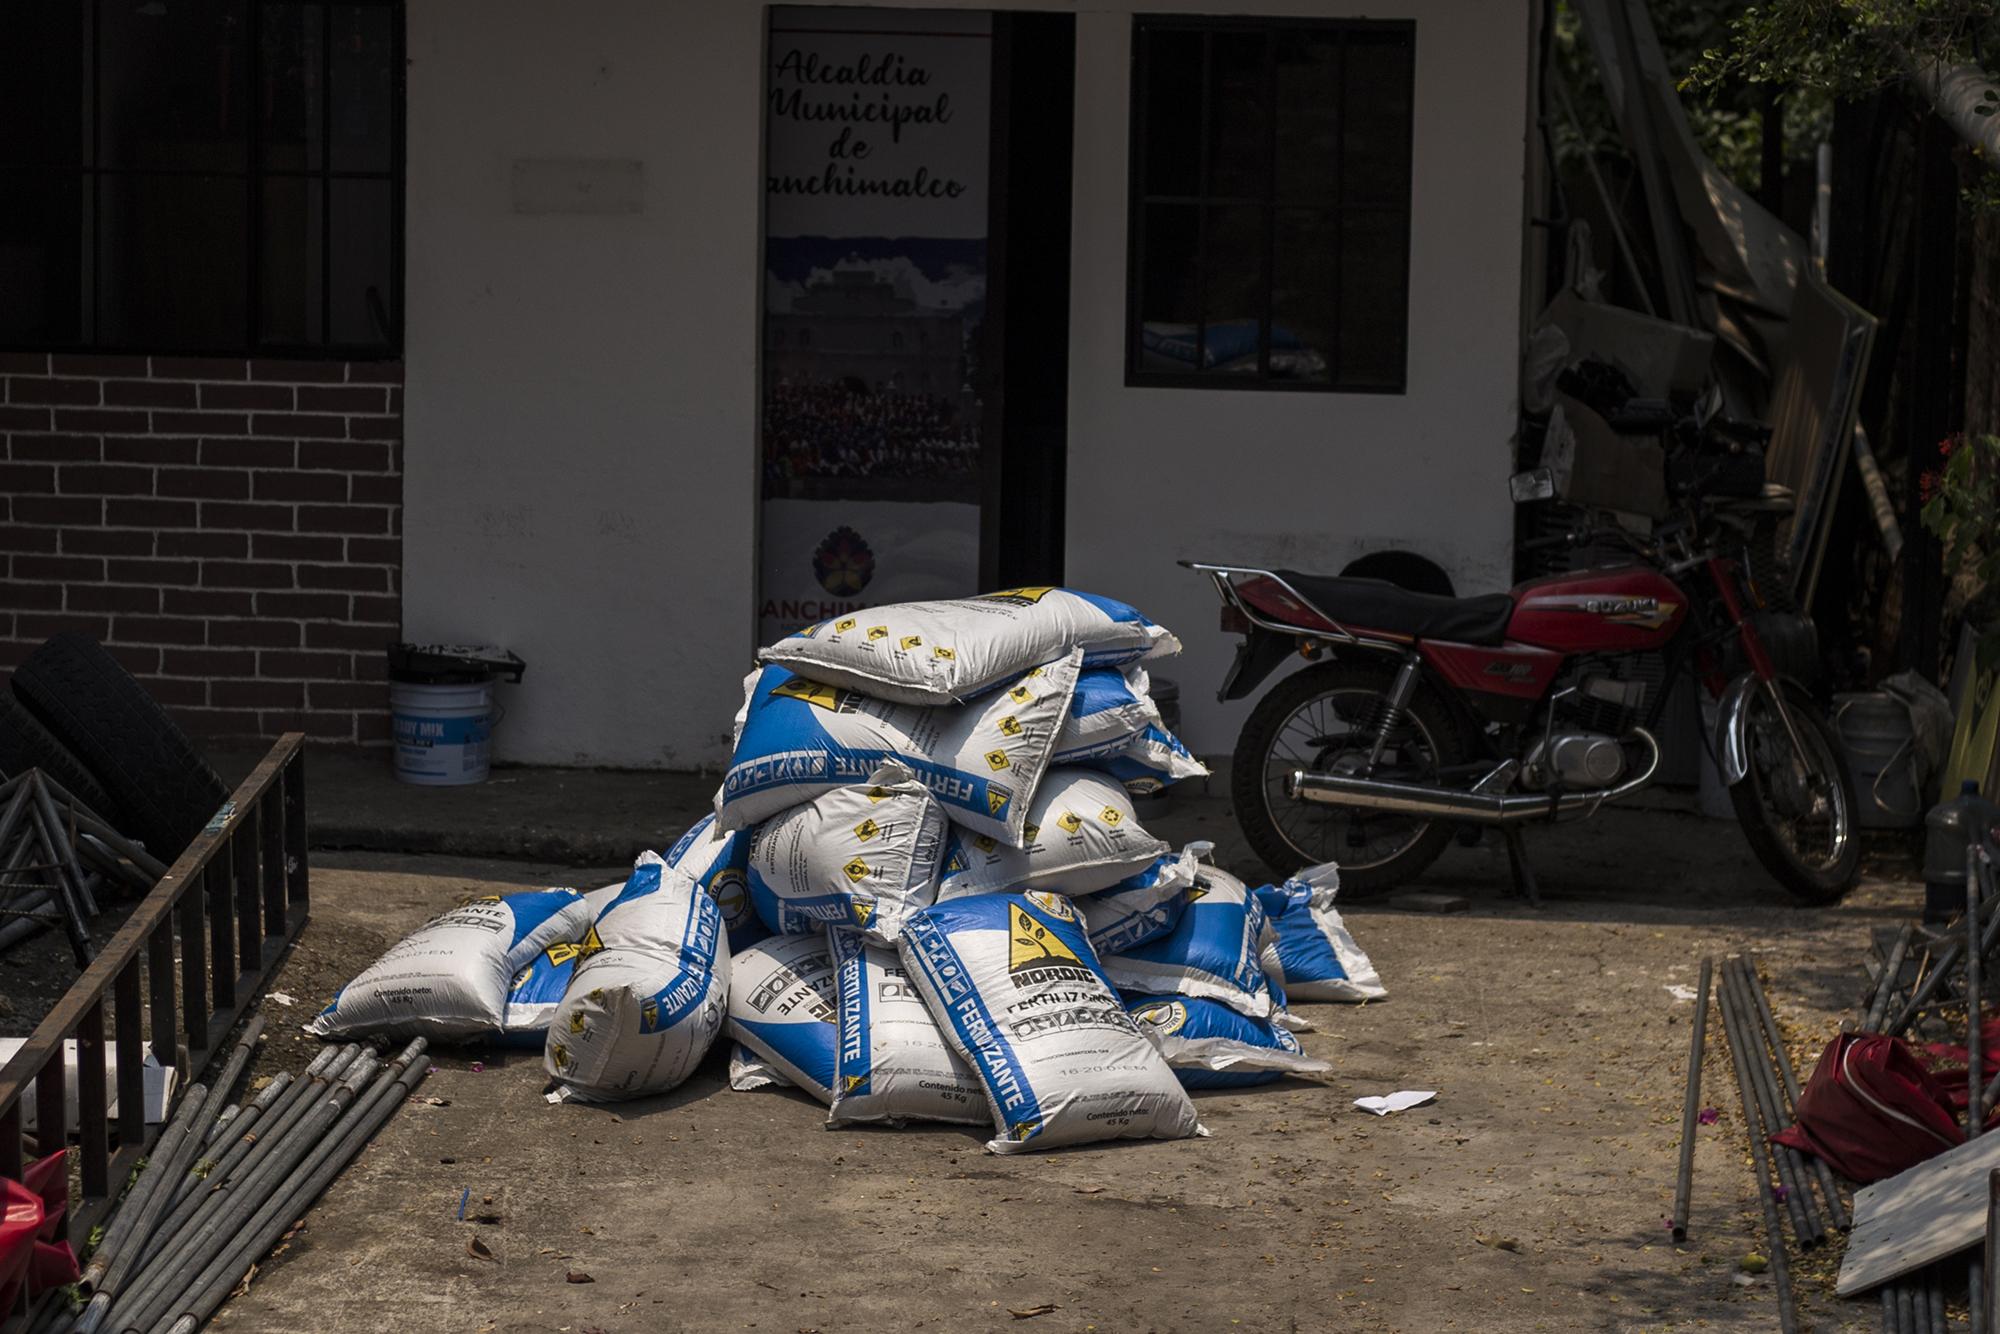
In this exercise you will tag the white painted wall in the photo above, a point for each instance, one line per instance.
(580, 402)
(580, 418)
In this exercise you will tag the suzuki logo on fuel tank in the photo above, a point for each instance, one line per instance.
(1649, 612)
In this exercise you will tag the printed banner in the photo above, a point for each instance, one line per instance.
(876, 125)
(822, 558)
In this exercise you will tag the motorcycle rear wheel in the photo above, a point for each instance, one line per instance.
(1323, 719)
(1800, 824)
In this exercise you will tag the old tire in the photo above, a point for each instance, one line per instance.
(1428, 738)
(25, 744)
(161, 784)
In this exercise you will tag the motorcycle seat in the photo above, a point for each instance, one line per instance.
(1374, 604)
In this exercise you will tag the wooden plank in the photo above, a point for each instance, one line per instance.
(1935, 1209)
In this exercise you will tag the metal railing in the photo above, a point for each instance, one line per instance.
(238, 897)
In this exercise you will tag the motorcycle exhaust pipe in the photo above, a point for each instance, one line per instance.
(1443, 803)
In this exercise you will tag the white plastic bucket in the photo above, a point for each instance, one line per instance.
(441, 731)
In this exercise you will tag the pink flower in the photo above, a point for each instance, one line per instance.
(1709, 1116)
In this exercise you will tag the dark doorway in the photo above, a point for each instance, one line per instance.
(1024, 373)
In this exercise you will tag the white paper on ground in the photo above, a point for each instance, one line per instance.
(1395, 1102)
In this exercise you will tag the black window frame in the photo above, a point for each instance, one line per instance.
(254, 174)
(1137, 200)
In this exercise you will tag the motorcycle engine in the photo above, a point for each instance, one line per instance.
(1575, 760)
(1583, 752)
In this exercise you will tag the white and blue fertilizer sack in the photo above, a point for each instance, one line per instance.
(783, 1010)
(1141, 907)
(1110, 707)
(448, 980)
(720, 863)
(643, 1010)
(1212, 952)
(538, 989)
(860, 857)
(796, 739)
(1211, 1046)
(1082, 835)
(748, 1070)
(892, 1063)
(1012, 982)
(1150, 761)
(1113, 725)
(1308, 950)
(949, 652)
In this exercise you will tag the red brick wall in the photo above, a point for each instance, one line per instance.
(231, 529)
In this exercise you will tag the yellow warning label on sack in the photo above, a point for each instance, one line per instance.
(1010, 725)
(878, 632)
(911, 641)
(866, 830)
(849, 1083)
(576, 1021)
(845, 624)
(1025, 596)
(878, 794)
(1070, 821)
(1031, 831)
(863, 910)
(811, 692)
(561, 1055)
(856, 870)
(944, 654)
(649, 1015)
(997, 798)
(985, 842)
(1197, 891)
(1030, 944)
(997, 759)
(1110, 815)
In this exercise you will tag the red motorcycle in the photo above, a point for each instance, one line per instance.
(1423, 715)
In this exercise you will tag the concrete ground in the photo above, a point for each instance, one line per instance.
(1530, 1196)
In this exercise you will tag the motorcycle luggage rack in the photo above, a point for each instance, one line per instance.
(1222, 576)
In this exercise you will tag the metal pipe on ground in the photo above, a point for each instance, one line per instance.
(75, 925)
(225, 1211)
(107, 1273)
(231, 1143)
(1934, 1293)
(1906, 1309)
(221, 1126)
(93, 850)
(1943, 962)
(1892, 971)
(121, 1236)
(1781, 1274)
(1990, 1252)
(1691, 1104)
(1836, 1208)
(1743, 1032)
(62, 839)
(1975, 1067)
(209, 1288)
(233, 1169)
(231, 1131)
(91, 822)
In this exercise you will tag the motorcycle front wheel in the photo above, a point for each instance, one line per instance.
(1799, 817)
(1324, 720)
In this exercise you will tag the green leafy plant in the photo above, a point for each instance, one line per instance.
(1962, 508)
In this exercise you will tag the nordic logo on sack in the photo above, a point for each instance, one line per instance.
(1037, 956)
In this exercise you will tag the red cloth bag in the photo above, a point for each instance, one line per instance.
(1872, 1109)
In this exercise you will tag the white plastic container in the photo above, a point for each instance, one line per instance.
(442, 732)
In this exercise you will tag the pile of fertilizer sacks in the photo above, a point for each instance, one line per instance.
(924, 895)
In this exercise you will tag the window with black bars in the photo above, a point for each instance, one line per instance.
(202, 176)
(1270, 210)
